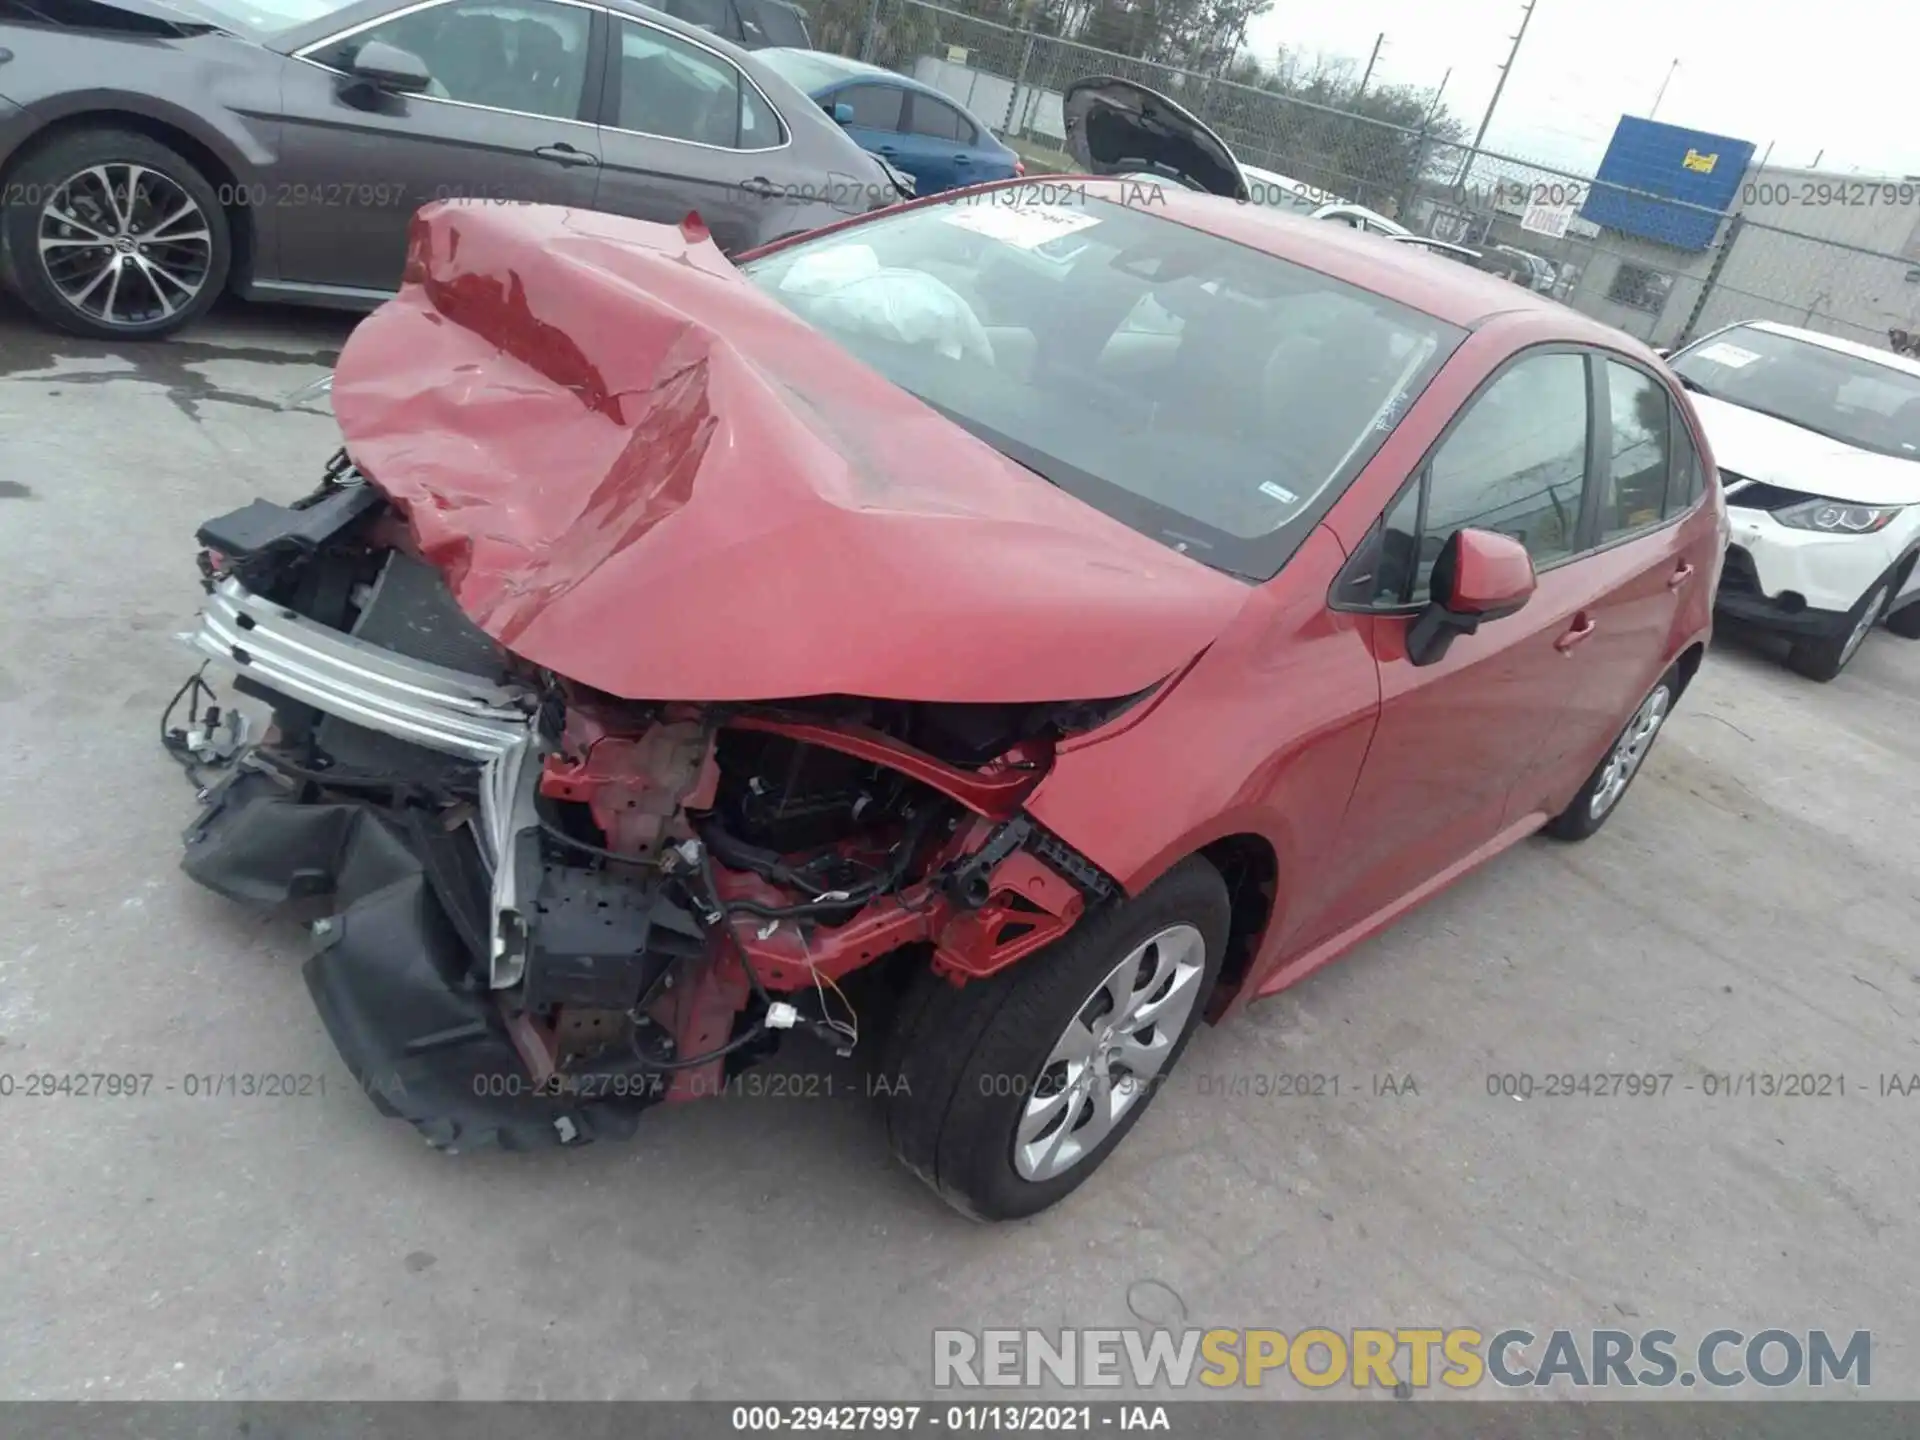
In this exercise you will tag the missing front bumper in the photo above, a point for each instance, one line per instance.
(396, 974)
(428, 930)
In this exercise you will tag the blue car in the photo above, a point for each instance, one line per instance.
(910, 125)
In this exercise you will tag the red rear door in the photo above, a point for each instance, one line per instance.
(1647, 573)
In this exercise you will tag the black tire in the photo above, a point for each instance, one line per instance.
(1905, 622)
(1579, 820)
(1823, 657)
(46, 169)
(950, 1118)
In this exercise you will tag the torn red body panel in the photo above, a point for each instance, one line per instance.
(641, 473)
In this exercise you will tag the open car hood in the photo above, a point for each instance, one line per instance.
(642, 473)
(1116, 127)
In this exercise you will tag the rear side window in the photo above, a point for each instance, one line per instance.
(876, 107)
(937, 121)
(1689, 475)
(1633, 490)
(676, 90)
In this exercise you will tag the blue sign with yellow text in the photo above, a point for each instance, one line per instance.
(1648, 164)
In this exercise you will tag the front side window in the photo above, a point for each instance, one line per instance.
(1868, 404)
(1633, 494)
(679, 91)
(521, 55)
(1208, 394)
(1515, 464)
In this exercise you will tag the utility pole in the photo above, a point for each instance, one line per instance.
(1367, 74)
(1487, 119)
(1661, 94)
(1434, 108)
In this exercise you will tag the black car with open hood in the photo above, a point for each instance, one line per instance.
(1118, 127)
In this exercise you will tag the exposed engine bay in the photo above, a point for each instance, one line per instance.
(539, 907)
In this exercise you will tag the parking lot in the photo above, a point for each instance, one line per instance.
(1754, 910)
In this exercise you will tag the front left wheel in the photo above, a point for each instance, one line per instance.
(1005, 1094)
(113, 235)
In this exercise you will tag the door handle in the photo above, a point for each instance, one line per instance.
(1682, 573)
(963, 159)
(883, 150)
(565, 154)
(1583, 627)
(763, 187)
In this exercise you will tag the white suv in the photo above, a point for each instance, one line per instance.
(1818, 444)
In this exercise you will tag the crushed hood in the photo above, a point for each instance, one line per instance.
(1118, 127)
(640, 472)
(1759, 447)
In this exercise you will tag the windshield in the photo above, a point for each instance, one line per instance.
(1208, 394)
(1860, 402)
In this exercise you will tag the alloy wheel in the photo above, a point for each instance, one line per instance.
(1112, 1050)
(1630, 749)
(125, 244)
(1863, 627)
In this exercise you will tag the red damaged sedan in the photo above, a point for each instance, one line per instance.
(1081, 607)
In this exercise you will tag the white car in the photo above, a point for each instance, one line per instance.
(1359, 217)
(1818, 443)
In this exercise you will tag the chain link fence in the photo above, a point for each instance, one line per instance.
(1706, 269)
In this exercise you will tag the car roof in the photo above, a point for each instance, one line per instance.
(1432, 284)
(849, 69)
(1834, 342)
(846, 66)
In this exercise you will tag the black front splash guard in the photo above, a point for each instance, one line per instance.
(398, 975)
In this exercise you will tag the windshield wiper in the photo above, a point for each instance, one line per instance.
(1688, 383)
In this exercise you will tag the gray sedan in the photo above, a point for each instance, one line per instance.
(154, 154)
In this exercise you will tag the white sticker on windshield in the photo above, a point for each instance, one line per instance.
(1026, 226)
(1723, 352)
(1279, 492)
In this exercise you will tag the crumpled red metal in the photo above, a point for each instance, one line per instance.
(642, 473)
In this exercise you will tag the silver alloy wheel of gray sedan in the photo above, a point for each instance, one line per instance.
(1630, 749)
(1107, 1059)
(125, 244)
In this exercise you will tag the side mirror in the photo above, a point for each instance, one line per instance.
(841, 111)
(388, 67)
(1477, 576)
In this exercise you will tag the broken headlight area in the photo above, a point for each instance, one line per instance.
(542, 908)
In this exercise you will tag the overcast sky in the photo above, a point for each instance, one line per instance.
(1745, 71)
